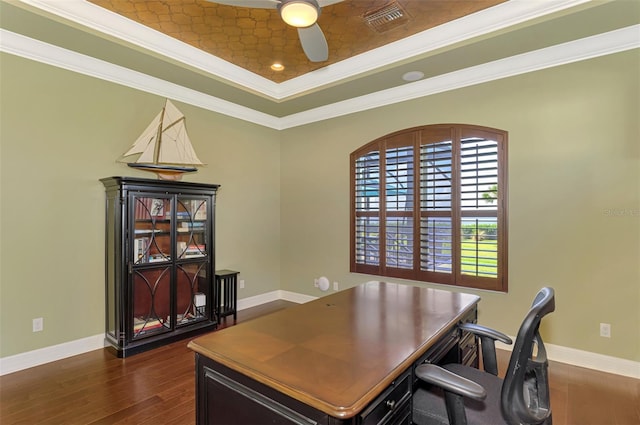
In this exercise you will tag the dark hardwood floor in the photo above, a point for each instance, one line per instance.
(157, 387)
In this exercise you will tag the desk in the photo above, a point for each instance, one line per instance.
(346, 358)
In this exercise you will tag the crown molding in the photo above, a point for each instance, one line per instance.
(480, 23)
(39, 51)
(125, 29)
(586, 48)
(574, 51)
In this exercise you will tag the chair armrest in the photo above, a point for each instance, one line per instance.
(449, 381)
(488, 338)
(484, 331)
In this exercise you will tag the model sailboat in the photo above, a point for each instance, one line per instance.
(164, 147)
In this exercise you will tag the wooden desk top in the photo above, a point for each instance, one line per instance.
(337, 353)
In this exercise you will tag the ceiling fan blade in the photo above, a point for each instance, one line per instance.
(323, 3)
(257, 4)
(313, 43)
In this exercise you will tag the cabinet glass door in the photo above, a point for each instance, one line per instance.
(192, 234)
(192, 292)
(152, 230)
(191, 226)
(151, 301)
(151, 265)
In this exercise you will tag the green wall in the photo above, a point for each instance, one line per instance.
(283, 209)
(60, 133)
(574, 195)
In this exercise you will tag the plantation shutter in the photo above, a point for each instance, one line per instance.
(480, 220)
(429, 204)
(399, 187)
(365, 209)
(437, 202)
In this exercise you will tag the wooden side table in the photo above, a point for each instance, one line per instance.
(226, 293)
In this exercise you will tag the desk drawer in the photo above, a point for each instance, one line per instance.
(392, 406)
(469, 350)
(440, 351)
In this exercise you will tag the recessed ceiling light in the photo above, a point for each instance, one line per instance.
(413, 76)
(277, 66)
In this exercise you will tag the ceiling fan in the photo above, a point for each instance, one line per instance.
(301, 14)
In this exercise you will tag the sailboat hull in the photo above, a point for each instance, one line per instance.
(164, 172)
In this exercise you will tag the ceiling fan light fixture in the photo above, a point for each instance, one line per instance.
(300, 13)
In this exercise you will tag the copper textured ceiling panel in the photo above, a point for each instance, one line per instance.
(256, 38)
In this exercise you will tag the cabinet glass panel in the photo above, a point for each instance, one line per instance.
(113, 299)
(192, 292)
(152, 230)
(151, 301)
(191, 216)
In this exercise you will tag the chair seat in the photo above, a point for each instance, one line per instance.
(429, 405)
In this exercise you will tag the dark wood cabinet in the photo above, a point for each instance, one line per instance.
(160, 262)
(226, 293)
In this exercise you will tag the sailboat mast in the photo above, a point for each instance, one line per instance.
(156, 149)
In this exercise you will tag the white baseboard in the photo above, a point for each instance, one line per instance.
(557, 353)
(586, 359)
(274, 296)
(44, 355)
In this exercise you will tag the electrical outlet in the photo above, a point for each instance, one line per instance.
(241, 283)
(38, 324)
(605, 330)
(336, 287)
(315, 283)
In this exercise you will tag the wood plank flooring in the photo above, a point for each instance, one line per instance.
(158, 387)
(582, 396)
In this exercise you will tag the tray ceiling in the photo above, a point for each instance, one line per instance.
(218, 57)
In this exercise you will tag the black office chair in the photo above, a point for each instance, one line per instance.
(461, 395)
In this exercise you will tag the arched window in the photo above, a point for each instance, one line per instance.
(430, 204)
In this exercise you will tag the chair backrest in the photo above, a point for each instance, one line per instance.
(525, 391)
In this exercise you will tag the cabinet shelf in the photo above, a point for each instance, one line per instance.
(142, 232)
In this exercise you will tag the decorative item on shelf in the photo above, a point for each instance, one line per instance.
(195, 250)
(182, 247)
(140, 248)
(188, 226)
(199, 303)
(141, 325)
(156, 258)
(157, 207)
(183, 215)
(199, 208)
(165, 147)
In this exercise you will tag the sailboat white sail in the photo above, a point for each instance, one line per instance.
(164, 146)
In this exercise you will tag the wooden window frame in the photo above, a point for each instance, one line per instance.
(417, 138)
